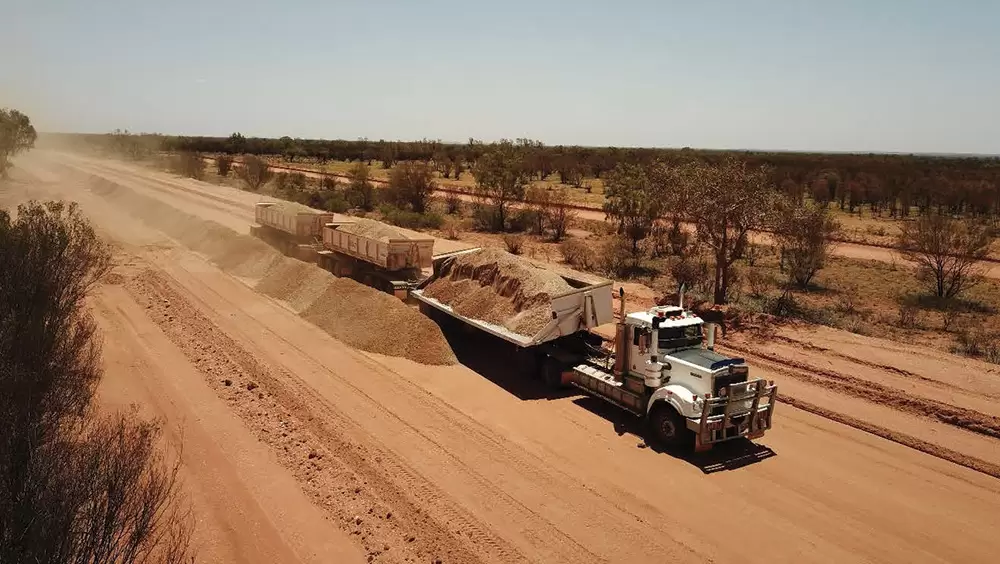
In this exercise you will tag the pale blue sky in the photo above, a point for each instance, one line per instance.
(887, 75)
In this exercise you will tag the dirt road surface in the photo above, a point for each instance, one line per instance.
(298, 448)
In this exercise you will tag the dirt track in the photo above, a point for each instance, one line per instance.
(315, 448)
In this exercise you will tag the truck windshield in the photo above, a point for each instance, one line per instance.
(674, 337)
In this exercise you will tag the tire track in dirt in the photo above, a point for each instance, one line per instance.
(829, 352)
(896, 437)
(393, 523)
(967, 419)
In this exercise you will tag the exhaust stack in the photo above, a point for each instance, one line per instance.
(710, 336)
(621, 339)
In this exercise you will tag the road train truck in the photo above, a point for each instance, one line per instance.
(660, 366)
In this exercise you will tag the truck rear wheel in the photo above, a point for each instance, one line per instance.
(668, 426)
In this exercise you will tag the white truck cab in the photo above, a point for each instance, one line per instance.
(666, 369)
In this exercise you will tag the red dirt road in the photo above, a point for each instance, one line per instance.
(319, 452)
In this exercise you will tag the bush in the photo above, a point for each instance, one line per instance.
(453, 203)
(223, 164)
(360, 192)
(578, 253)
(759, 282)
(411, 184)
(979, 342)
(75, 485)
(692, 272)
(946, 251)
(453, 227)
(410, 219)
(255, 172)
(483, 216)
(616, 257)
(908, 316)
(525, 219)
(329, 200)
(189, 164)
(514, 243)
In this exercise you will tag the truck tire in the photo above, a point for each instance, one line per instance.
(668, 427)
(552, 373)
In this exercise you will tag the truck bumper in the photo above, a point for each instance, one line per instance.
(745, 411)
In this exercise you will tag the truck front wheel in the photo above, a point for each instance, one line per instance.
(668, 427)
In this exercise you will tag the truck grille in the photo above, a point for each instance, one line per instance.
(735, 376)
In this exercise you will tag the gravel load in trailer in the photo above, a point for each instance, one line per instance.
(514, 298)
(294, 219)
(382, 245)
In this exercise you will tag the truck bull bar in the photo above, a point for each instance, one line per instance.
(743, 410)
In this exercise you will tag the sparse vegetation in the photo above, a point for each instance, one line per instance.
(74, 486)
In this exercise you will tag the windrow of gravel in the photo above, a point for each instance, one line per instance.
(360, 316)
(499, 288)
(377, 322)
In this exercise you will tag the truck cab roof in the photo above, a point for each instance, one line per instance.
(670, 316)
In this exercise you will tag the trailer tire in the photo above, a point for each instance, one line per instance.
(668, 427)
(552, 373)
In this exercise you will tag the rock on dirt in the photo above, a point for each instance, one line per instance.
(499, 288)
(377, 322)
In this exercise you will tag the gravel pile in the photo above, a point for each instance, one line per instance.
(377, 322)
(499, 288)
(355, 314)
(295, 282)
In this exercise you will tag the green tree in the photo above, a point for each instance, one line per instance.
(633, 202)
(360, 192)
(948, 252)
(16, 136)
(411, 183)
(500, 179)
(725, 201)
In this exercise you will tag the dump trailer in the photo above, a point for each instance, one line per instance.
(293, 229)
(661, 365)
(376, 254)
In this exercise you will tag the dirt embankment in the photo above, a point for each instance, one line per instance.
(499, 288)
(355, 314)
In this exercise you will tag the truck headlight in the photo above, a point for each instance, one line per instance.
(698, 405)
